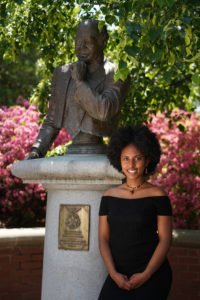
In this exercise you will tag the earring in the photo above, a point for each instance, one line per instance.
(146, 171)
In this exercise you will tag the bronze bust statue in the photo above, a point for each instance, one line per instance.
(85, 99)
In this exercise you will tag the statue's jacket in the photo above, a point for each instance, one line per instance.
(91, 107)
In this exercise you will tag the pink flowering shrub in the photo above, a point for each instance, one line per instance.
(179, 168)
(21, 205)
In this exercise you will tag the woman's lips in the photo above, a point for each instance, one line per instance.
(132, 171)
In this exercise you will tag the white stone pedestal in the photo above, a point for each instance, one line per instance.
(79, 180)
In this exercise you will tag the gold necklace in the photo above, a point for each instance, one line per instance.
(133, 188)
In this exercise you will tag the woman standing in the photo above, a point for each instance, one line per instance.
(135, 223)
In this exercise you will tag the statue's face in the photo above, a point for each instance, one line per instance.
(87, 47)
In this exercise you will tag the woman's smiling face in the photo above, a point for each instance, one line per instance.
(133, 162)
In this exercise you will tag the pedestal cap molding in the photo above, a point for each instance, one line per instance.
(67, 168)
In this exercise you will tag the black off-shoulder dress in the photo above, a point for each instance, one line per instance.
(133, 240)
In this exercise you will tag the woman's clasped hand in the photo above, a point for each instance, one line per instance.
(135, 281)
(122, 281)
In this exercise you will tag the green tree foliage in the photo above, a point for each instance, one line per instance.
(44, 27)
(18, 78)
(156, 41)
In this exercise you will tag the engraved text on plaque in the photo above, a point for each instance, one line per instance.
(74, 227)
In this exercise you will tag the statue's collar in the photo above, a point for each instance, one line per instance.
(97, 76)
(95, 68)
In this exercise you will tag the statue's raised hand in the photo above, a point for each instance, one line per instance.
(78, 70)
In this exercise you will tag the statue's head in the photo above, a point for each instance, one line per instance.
(90, 42)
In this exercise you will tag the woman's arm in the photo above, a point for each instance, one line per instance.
(160, 253)
(104, 236)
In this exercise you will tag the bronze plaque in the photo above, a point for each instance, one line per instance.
(74, 227)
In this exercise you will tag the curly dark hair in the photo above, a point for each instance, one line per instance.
(139, 136)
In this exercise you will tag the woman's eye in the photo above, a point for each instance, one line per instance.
(138, 158)
(125, 158)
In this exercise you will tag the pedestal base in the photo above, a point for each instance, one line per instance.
(71, 180)
(71, 274)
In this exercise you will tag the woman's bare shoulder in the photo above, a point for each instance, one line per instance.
(114, 191)
(156, 190)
